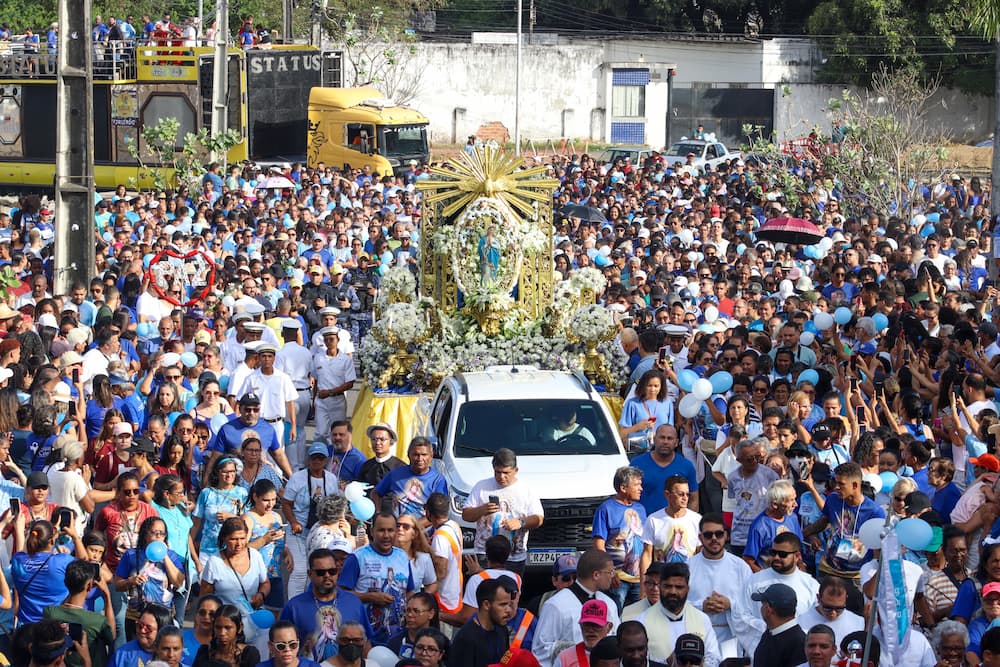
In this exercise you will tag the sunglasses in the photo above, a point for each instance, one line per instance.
(287, 646)
(567, 578)
(782, 554)
(325, 572)
(130, 492)
(831, 608)
(713, 534)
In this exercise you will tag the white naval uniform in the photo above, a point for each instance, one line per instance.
(295, 360)
(331, 372)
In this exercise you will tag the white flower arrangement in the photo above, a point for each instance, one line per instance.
(404, 322)
(398, 280)
(592, 323)
(588, 279)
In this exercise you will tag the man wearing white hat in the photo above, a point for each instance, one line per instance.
(328, 317)
(276, 392)
(334, 375)
(296, 361)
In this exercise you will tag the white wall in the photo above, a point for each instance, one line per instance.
(565, 85)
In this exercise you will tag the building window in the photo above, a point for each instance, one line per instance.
(628, 92)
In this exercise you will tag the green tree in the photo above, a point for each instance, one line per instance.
(986, 19)
(929, 38)
(169, 164)
(34, 14)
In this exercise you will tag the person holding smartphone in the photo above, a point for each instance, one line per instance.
(641, 413)
(94, 625)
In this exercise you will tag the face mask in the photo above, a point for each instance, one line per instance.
(351, 652)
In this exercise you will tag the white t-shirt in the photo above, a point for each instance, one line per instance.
(674, 539)
(516, 500)
(449, 590)
(66, 489)
(423, 571)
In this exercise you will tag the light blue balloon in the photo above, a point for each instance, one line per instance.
(721, 382)
(842, 315)
(156, 552)
(218, 421)
(881, 322)
(263, 619)
(706, 328)
(810, 326)
(914, 534)
(189, 359)
(810, 376)
(889, 479)
(145, 329)
(686, 378)
(363, 508)
(811, 252)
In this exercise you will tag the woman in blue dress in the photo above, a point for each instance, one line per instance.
(222, 499)
(649, 407)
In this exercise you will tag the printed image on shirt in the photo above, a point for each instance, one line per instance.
(322, 644)
(628, 542)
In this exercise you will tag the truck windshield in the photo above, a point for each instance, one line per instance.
(403, 140)
(533, 427)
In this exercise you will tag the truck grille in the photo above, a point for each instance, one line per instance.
(568, 523)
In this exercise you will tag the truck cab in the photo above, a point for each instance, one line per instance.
(359, 127)
(475, 414)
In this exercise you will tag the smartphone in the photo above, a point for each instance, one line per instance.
(96, 571)
(494, 500)
(663, 354)
(859, 413)
(854, 385)
(65, 518)
(906, 355)
(15, 507)
(76, 375)
(72, 409)
(75, 631)
(358, 528)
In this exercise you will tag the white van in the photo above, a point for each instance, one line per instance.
(475, 414)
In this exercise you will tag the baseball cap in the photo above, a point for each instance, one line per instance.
(779, 596)
(518, 657)
(594, 611)
(992, 587)
(250, 399)
(916, 502)
(565, 564)
(142, 445)
(987, 461)
(340, 544)
(690, 645)
(318, 448)
(122, 427)
(821, 433)
(37, 479)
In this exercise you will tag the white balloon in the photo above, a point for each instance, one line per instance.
(807, 338)
(823, 321)
(382, 656)
(690, 405)
(825, 244)
(354, 491)
(711, 314)
(874, 480)
(870, 533)
(701, 389)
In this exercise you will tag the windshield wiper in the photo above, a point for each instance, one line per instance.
(482, 450)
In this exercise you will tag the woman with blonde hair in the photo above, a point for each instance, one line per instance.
(411, 539)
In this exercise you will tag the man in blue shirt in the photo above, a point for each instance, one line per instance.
(322, 601)
(347, 459)
(410, 486)
(230, 436)
(845, 511)
(660, 463)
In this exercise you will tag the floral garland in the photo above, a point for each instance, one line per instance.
(465, 349)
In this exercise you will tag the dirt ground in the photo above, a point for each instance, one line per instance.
(969, 158)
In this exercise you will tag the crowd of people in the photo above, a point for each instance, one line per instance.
(164, 501)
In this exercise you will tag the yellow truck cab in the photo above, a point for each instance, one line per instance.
(359, 127)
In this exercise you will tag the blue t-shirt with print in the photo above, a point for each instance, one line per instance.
(318, 622)
(410, 492)
(367, 570)
(845, 552)
(620, 526)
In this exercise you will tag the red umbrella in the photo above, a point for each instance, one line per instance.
(789, 230)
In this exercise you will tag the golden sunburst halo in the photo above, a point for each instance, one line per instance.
(488, 172)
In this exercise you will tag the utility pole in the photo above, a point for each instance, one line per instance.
(74, 186)
(517, 83)
(316, 23)
(220, 75)
(287, 9)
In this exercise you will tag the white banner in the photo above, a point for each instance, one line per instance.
(894, 615)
